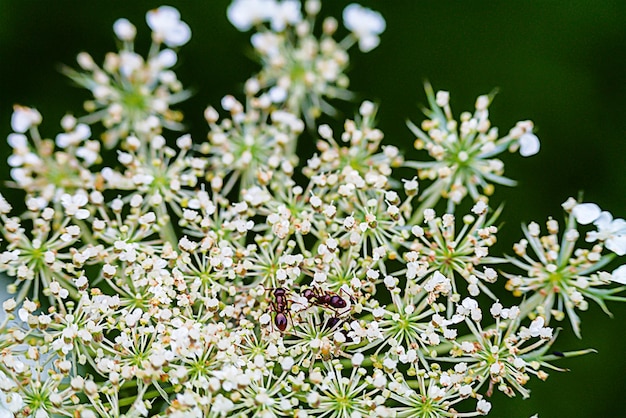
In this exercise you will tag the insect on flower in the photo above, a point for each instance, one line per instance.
(279, 306)
(327, 299)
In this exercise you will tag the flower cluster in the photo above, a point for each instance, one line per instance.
(464, 151)
(300, 70)
(225, 277)
(133, 94)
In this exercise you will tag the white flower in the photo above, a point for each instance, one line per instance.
(10, 404)
(483, 407)
(536, 326)
(480, 208)
(585, 213)
(167, 27)
(243, 14)
(286, 12)
(23, 118)
(357, 359)
(528, 144)
(130, 62)
(166, 59)
(124, 30)
(611, 231)
(221, 405)
(365, 24)
(81, 132)
(73, 205)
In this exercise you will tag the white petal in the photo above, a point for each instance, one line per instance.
(5, 413)
(604, 220)
(617, 244)
(619, 275)
(585, 213)
(528, 144)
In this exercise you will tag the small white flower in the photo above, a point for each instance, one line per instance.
(528, 144)
(611, 231)
(23, 118)
(442, 98)
(221, 405)
(130, 62)
(73, 205)
(357, 359)
(365, 24)
(480, 208)
(287, 363)
(285, 13)
(166, 59)
(390, 364)
(483, 407)
(124, 30)
(167, 27)
(243, 14)
(80, 133)
(10, 404)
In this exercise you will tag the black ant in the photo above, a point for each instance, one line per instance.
(279, 305)
(327, 299)
(330, 300)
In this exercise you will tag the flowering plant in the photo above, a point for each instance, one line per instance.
(153, 274)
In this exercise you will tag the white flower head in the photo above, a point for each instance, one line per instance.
(365, 24)
(528, 144)
(243, 14)
(167, 27)
(585, 213)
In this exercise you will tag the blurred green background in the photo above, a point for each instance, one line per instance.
(561, 64)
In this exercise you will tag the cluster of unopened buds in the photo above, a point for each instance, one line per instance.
(155, 274)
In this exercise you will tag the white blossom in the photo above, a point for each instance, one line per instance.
(243, 14)
(366, 25)
(124, 30)
(167, 27)
(23, 118)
